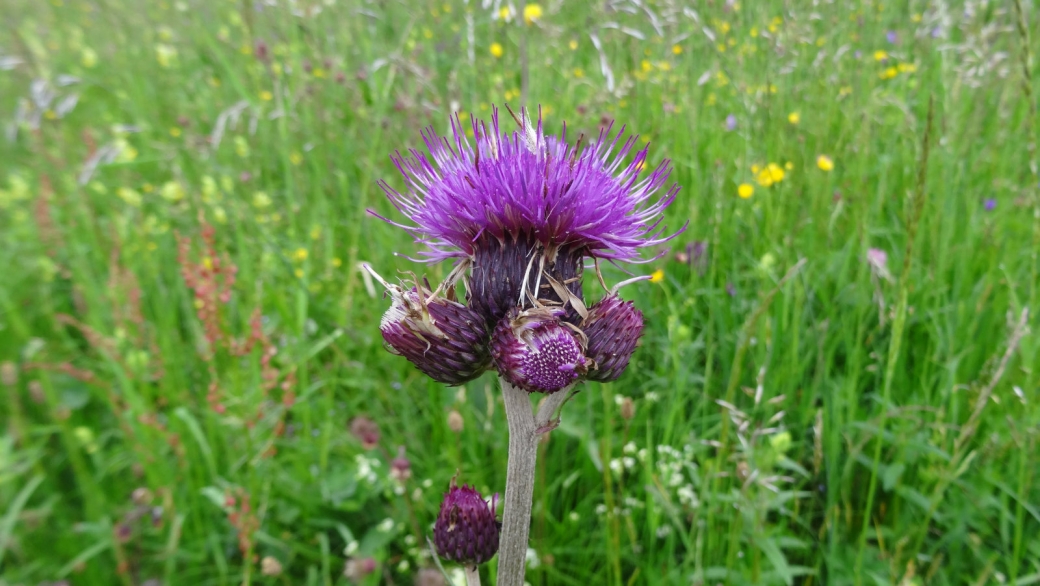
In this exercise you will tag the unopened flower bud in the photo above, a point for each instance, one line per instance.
(366, 430)
(141, 496)
(536, 351)
(357, 569)
(429, 577)
(269, 566)
(445, 340)
(613, 329)
(400, 467)
(466, 530)
(628, 408)
(8, 374)
(260, 50)
(455, 421)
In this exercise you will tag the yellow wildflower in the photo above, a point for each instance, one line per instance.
(578, 72)
(266, 96)
(745, 190)
(172, 191)
(906, 68)
(165, 55)
(676, 50)
(646, 65)
(295, 158)
(888, 73)
(300, 254)
(261, 199)
(794, 117)
(573, 45)
(175, 132)
(532, 12)
(657, 276)
(880, 55)
(88, 57)
(496, 50)
(776, 172)
(824, 163)
(753, 32)
(129, 196)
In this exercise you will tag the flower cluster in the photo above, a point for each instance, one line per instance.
(519, 213)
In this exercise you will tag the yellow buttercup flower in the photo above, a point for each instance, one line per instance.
(676, 50)
(824, 163)
(657, 276)
(794, 117)
(300, 254)
(745, 190)
(532, 12)
(573, 45)
(497, 50)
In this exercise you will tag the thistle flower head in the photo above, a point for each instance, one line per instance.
(613, 329)
(522, 185)
(466, 530)
(444, 339)
(536, 351)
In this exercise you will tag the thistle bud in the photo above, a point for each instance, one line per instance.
(536, 351)
(400, 467)
(466, 530)
(445, 340)
(613, 328)
(366, 430)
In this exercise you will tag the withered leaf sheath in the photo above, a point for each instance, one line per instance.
(613, 329)
(466, 530)
(445, 340)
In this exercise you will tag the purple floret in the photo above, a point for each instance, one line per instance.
(524, 185)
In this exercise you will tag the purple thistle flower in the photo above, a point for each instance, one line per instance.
(519, 212)
(527, 186)
(538, 352)
(466, 530)
(613, 328)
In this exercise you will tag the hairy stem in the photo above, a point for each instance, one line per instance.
(524, 430)
(472, 576)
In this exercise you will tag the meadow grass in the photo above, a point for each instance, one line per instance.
(185, 334)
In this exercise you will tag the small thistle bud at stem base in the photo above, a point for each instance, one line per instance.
(466, 530)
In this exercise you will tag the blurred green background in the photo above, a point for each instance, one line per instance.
(186, 341)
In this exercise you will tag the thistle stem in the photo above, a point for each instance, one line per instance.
(472, 576)
(524, 430)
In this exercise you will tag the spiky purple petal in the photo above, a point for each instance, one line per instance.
(525, 185)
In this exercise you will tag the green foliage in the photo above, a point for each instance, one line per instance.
(185, 335)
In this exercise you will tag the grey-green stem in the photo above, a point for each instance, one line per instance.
(525, 427)
(472, 576)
